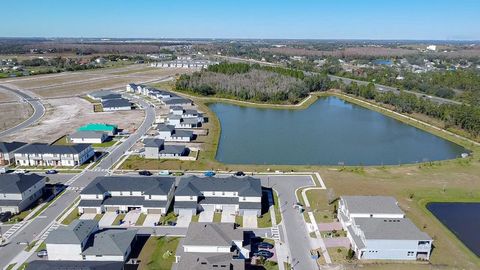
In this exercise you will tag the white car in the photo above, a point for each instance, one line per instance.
(164, 172)
(19, 171)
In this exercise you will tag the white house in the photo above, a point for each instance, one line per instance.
(241, 196)
(170, 134)
(40, 154)
(120, 104)
(156, 149)
(7, 150)
(151, 195)
(19, 191)
(212, 246)
(378, 229)
(85, 136)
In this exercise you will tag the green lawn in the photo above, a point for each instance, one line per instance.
(43, 245)
(62, 141)
(270, 265)
(71, 217)
(170, 216)
(104, 144)
(140, 219)
(98, 217)
(239, 220)
(18, 217)
(278, 215)
(30, 246)
(265, 220)
(195, 218)
(158, 253)
(118, 218)
(217, 217)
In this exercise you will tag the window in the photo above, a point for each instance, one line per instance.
(150, 196)
(213, 193)
(121, 193)
(131, 192)
(191, 198)
(223, 193)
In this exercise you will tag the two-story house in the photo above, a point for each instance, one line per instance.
(241, 196)
(170, 134)
(378, 229)
(42, 154)
(82, 241)
(7, 150)
(152, 195)
(19, 191)
(212, 246)
(157, 149)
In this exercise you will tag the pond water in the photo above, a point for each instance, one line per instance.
(329, 132)
(462, 219)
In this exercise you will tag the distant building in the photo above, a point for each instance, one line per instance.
(156, 149)
(378, 230)
(212, 246)
(41, 154)
(19, 191)
(116, 105)
(432, 47)
(170, 134)
(104, 95)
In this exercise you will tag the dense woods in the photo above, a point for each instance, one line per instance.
(466, 117)
(253, 82)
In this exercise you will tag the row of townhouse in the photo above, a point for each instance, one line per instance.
(378, 229)
(168, 133)
(157, 149)
(154, 195)
(111, 101)
(42, 154)
(193, 64)
(165, 97)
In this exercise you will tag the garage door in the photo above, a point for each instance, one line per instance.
(90, 210)
(208, 207)
(112, 208)
(250, 212)
(154, 211)
(229, 208)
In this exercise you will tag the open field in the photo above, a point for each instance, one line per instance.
(6, 96)
(12, 114)
(65, 115)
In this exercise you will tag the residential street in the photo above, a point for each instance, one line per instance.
(38, 225)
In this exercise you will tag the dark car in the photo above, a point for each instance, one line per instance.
(51, 172)
(265, 245)
(263, 253)
(42, 253)
(145, 173)
(5, 216)
(239, 174)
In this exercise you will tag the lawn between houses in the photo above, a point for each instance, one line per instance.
(158, 253)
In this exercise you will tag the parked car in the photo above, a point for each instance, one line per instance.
(19, 171)
(263, 253)
(42, 253)
(4, 216)
(240, 173)
(164, 172)
(51, 172)
(145, 173)
(209, 173)
(171, 223)
(3, 170)
(265, 245)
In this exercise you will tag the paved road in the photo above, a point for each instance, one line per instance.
(38, 111)
(36, 226)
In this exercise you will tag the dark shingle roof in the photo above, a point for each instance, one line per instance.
(152, 142)
(121, 102)
(173, 149)
(212, 234)
(111, 242)
(75, 233)
(7, 147)
(164, 127)
(74, 265)
(149, 185)
(182, 133)
(18, 183)
(43, 148)
(245, 186)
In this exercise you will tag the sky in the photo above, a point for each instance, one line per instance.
(258, 19)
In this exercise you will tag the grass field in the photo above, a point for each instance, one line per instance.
(158, 253)
(14, 114)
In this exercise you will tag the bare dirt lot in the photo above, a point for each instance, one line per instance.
(65, 115)
(12, 114)
(6, 96)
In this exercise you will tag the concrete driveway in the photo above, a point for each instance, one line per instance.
(150, 220)
(337, 242)
(107, 219)
(88, 216)
(330, 226)
(206, 216)
(250, 221)
(184, 218)
(228, 216)
(130, 218)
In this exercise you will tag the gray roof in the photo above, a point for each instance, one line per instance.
(134, 200)
(219, 200)
(207, 261)
(182, 133)
(18, 183)
(111, 242)
(90, 203)
(87, 134)
(212, 234)
(190, 120)
(121, 102)
(7, 147)
(176, 100)
(102, 93)
(10, 202)
(152, 185)
(371, 204)
(74, 265)
(153, 142)
(192, 112)
(245, 186)
(111, 96)
(390, 229)
(176, 108)
(185, 205)
(164, 127)
(174, 116)
(43, 148)
(75, 233)
(173, 149)
(250, 205)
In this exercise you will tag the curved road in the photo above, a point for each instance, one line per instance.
(38, 111)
